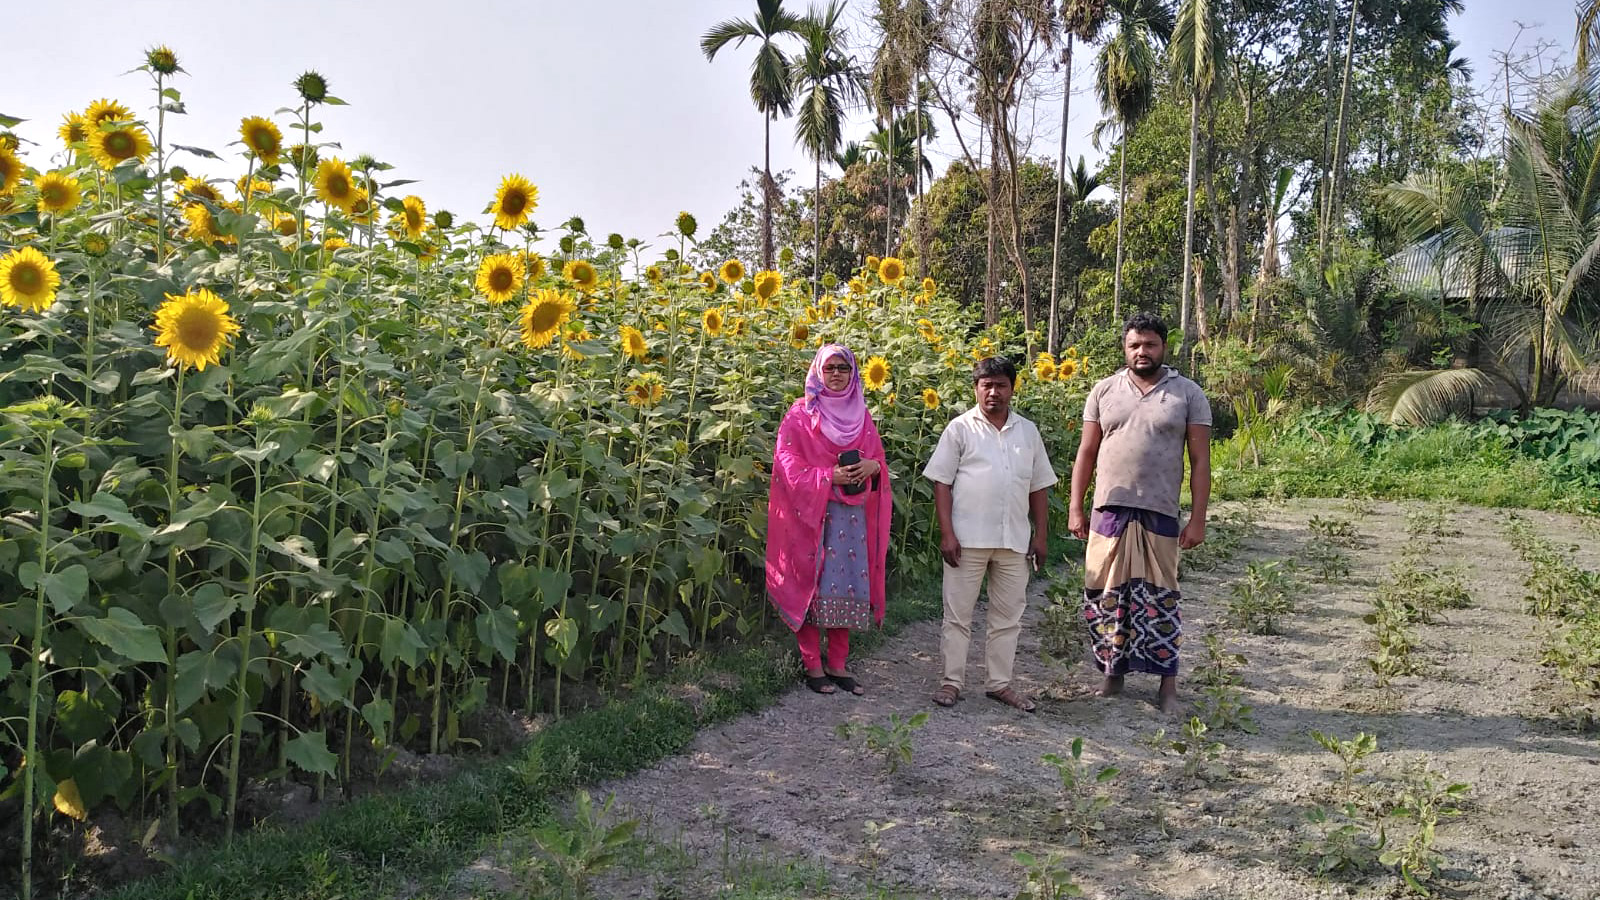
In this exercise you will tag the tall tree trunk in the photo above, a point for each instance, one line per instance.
(1122, 216)
(1202, 306)
(1325, 181)
(1061, 185)
(1013, 201)
(766, 206)
(924, 265)
(991, 271)
(816, 252)
(1335, 193)
(1188, 213)
(888, 218)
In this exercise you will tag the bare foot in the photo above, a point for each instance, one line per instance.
(1167, 696)
(1111, 688)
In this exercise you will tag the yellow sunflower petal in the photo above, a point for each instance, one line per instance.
(28, 279)
(195, 328)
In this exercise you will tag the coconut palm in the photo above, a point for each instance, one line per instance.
(770, 86)
(1196, 56)
(1081, 20)
(1125, 73)
(1077, 183)
(824, 79)
(1532, 275)
(890, 85)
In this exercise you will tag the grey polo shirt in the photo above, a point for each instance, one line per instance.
(991, 472)
(1144, 434)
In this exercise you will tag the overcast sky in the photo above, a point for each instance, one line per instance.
(607, 105)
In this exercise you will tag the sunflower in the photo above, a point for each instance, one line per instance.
(263, 139)
(253, 187)
(686, 224)
(200, 189)
(731, 271)
(195, 328)
(514, 201)
(708, 280)
(576, 334)
(875, 374)
(412, 218)
(534, 264)
(361, 210)
(926, 329)
(74, 129)
(28, 279)
(161, 59)
(105, 111)
(653, 274)
(285, 224)
(768, 284)
(826, 308)
(543, 315)
(500, 277)
(1073, 351)
(857, 287)
(930, 398)
(799, 333)
(335, 243)
(891, 271)
(203, 225)
(929, 287)
(1044, 368)
(633, 342)
(582, 274)
(95, 244)
(116, 143)
(646, 391)
(335, 185)
(1066, 369)
(10, 171)
(311, 86)
(872, 263)
(712, 320)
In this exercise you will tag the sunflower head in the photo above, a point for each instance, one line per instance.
(582, 273)
(444, 220)
(1066, 369)
(534, 264)
(28, 279)
(10, 141)
(712, 320)
(194, 328)
(303, 157)
(799, 334)
(646, 391)
(708, 280)
(335, 243)
(161, 60)
(731, 271)
(1044, 368)
(95, 244)
(615, 241)
(872, 263)
(311, 87)
(200, 189)
(10, 171)
(514, 202)
(103, 110)
(891, 270)
(633, 342)
(767, 285)
(653, 274)
(262, 137)
(116, 142)
(875, 374)
(930, 398)
(928, 332)
(253, 187)
(412, 219)
(929, 286)
(203, 225)
(686, 224)
(285, 224)
(361, 207)
(543, 315)
(1072, 352)
(74, 129)
(500, 277)
(829, 281)
(335, 185)
(857, 287)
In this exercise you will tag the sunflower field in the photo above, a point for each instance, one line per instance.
(295, 473)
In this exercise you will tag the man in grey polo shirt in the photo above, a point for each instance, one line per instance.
(990, 475)
(1137, 423)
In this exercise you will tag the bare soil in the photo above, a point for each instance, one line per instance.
(782, 787)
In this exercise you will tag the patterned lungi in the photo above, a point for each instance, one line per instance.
(1130, 591)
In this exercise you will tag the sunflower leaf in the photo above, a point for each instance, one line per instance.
(10, 121)
(197, 151)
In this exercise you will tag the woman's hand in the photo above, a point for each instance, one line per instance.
(843, 475)
(867, 468)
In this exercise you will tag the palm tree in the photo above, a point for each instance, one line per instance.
(1196, 55)
(1532, 276)
(1588, 30)
(770, 87)
(891, 83)
(1077, 183)
(1125, 72)
(852, 153)
(1080, 19)
(824, 78)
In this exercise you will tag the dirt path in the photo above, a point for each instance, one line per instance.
(778, 799)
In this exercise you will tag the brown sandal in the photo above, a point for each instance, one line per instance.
(1011, 698)
(947, 695)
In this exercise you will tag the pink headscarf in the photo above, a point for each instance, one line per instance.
(840, 415)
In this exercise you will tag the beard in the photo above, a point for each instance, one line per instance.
(1148, 369)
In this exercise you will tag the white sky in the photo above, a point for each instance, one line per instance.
(608, 106)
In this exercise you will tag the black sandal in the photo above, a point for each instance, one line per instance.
(847, 684)
(821, 684)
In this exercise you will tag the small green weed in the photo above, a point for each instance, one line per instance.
(1201, 753)
(1083, 798)
(1221, 704)
(1263, 596)
(1351, 753)
(1394, 640)
(1423, 798)
(1225, 534)
(1430, 521)
(1061, 631)
(892, 741)
(1335, 530)
(1327, 562)
(1342, 843)
(1046, 878)
(586, 846)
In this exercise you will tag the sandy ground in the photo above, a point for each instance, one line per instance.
(781, 786)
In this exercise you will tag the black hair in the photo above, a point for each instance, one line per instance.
(994, 367)
(1145, 322)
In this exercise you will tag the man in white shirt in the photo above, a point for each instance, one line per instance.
(990, 474)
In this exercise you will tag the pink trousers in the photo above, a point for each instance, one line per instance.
(810, 639)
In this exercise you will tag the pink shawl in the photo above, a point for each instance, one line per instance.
(840, 414)
(802, 485)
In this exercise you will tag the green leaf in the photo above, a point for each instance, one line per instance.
(297, 547)
(114, 511)
(122, 631)
(674, 625)
(498, 628)
(200, 671)
(82, 718)
(469, 570)
(315, 642)
(310, 752)
(327, 687)
(10, 121)
(564, 632)
(400, 642)
(213, 605)
(100, 772)
(379, 715)
(66, 588)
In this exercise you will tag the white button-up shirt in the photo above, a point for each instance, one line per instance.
(991, 472)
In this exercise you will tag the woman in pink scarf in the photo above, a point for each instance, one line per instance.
(828, 523)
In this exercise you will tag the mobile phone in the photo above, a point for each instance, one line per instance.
(850, 458)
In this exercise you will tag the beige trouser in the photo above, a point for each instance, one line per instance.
(1008, 595)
